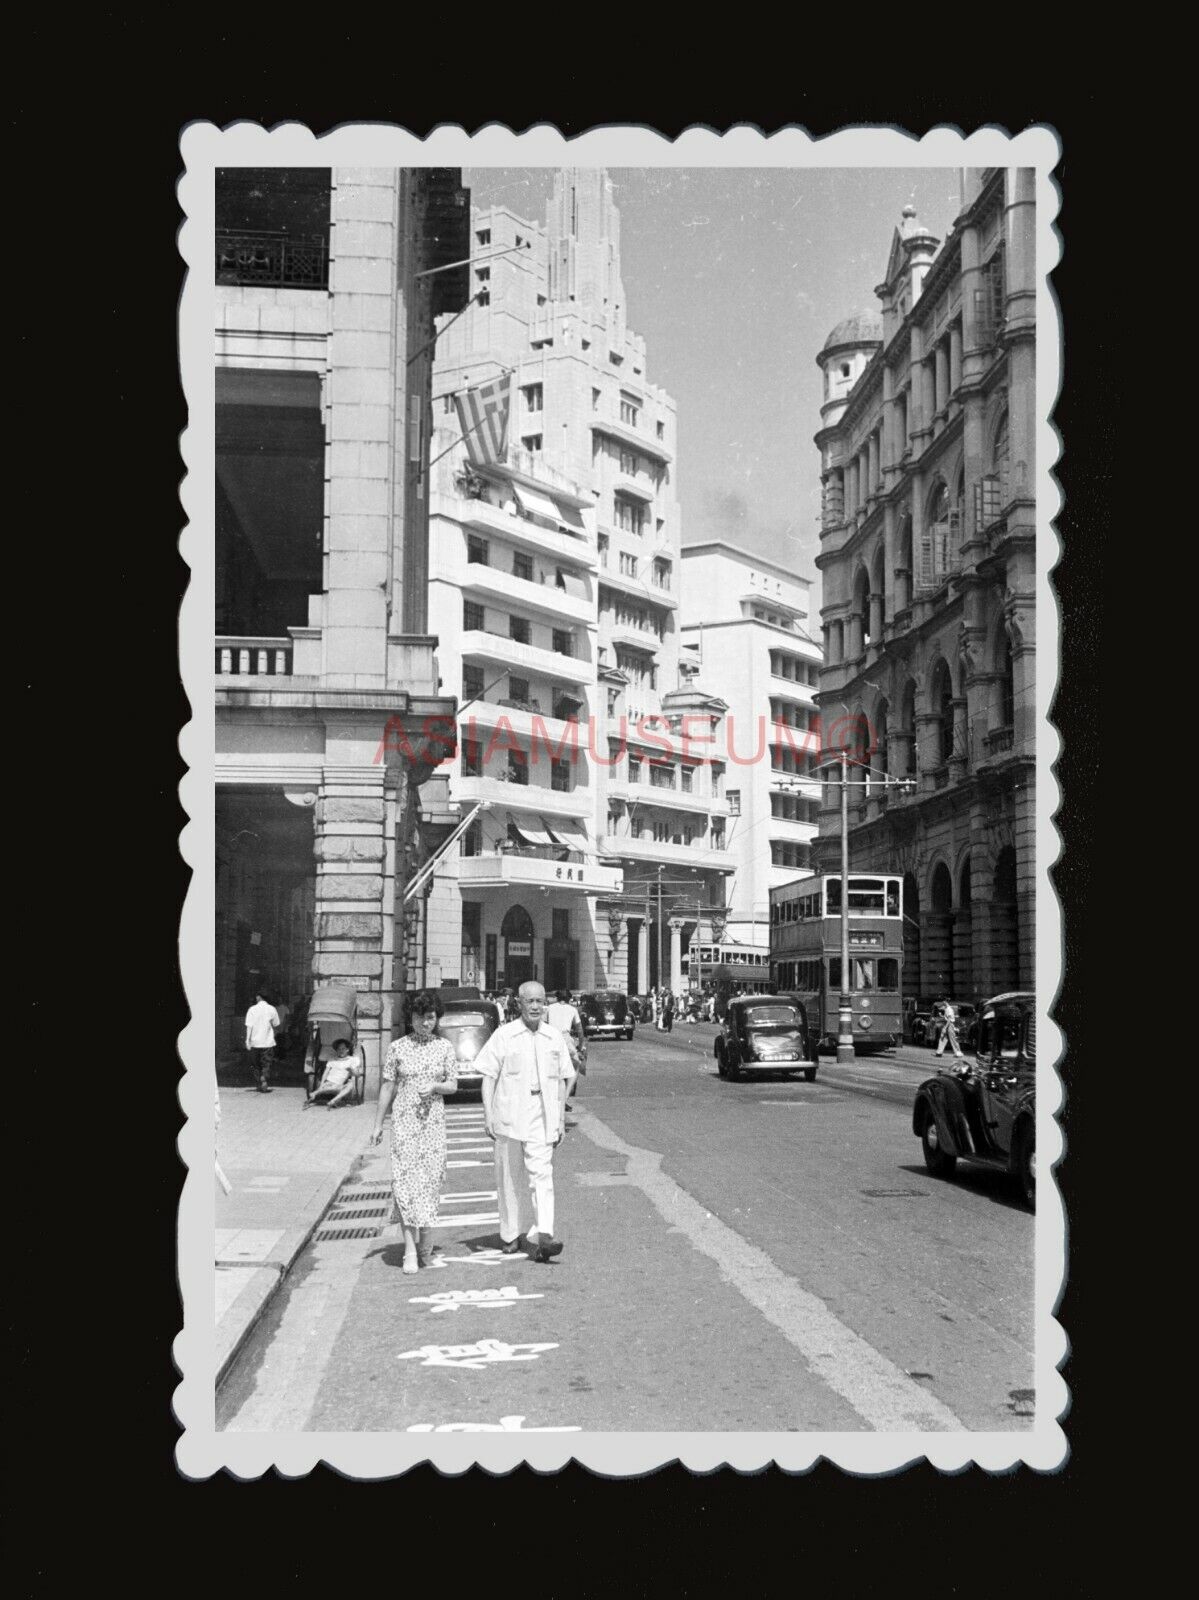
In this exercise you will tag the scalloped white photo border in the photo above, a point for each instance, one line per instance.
(202, 1450)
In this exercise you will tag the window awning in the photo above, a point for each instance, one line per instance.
(529, 832)
(571, 518)
(538, 505)
(571, 835)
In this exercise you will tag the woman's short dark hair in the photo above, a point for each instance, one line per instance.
(424, 1001)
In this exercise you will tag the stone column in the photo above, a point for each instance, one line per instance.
(940, 379)
(928, 734)
(676, 956)
(351, 814)
(643, 957)
(872, 462)
(961, 736)
(955, 357)
(876, 618)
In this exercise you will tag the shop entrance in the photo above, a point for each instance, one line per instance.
(516, 930)
(265, 889)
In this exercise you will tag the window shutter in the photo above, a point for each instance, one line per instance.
(924, 568)
(955, 537)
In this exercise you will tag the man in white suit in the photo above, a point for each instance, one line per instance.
(526, 1066)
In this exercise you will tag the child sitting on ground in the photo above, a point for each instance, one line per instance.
(337, 1083)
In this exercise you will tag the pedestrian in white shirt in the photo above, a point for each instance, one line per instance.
(526, 1066)
(949, 1033)
(563, 1015)
(261, 1021)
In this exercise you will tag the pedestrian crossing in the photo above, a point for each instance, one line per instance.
(469, 1149)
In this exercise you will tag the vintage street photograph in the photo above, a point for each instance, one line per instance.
(621, 645)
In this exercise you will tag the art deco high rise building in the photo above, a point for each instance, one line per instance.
(556, 572)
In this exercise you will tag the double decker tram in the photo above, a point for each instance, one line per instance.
(805, 954)
(748, 968)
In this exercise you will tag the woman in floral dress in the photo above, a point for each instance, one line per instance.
(420, 1070)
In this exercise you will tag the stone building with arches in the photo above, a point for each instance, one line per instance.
(927, 552)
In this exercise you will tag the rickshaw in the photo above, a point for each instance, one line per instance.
(332, 1014)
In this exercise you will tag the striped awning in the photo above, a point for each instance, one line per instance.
(530, 833)
(572, 835)
(538, 505)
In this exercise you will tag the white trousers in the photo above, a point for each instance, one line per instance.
(520, 1166)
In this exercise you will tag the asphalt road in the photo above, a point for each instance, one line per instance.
(759, 1256)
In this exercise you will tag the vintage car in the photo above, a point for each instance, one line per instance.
(765, 1033)
(984, 1110)
(468, 1021)
(606, 1014)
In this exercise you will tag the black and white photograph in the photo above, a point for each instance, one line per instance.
(620, 647)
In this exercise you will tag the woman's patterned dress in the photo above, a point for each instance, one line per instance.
(418, 1150)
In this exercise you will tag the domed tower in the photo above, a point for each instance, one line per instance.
(843, 359)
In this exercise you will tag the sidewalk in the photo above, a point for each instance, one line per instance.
(285, 1165)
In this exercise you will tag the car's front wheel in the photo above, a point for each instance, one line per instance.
(809, 1075)
(937, 1160)
(721, 1070)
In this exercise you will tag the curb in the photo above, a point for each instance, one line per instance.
(260, 1297)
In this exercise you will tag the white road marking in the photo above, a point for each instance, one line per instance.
(468, 1163)
(483, 1353)
(473, 1216)
(455, 1299)
(504, 1425)
(469, 1194)
(879, 1391)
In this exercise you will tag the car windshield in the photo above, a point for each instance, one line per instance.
(464, 1019)
(771, 1016)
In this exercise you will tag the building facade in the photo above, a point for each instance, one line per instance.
(601, 850)
(927, 553)
(326, 677)
(746, 620)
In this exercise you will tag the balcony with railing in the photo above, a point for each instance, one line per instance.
(541, 594)
(698, 854)
(538, 868)
(272, 260)
(253, 658)
(537, 798)
(479, 645)
(999, 742)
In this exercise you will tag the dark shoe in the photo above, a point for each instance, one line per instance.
(547, 1248)
(266, 1089)
(513, 1249)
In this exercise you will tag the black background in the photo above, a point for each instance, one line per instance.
(97, 1309)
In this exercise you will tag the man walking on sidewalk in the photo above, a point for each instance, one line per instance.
(526, 1066)
(261, 1021)
(949, 1035)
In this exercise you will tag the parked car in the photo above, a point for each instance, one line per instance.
(606, 1014)
(967, 1025)
(468, 1021)
(765, 1033)
(984, 1111)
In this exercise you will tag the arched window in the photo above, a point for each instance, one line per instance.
(939, 502)
(878, 580)
(941, 699)
(861, 605)
(999, 456)
(1007, 686)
